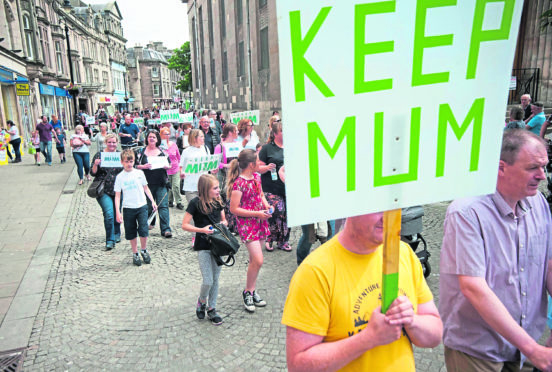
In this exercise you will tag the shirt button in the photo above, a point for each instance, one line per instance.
(523, 316)
(521, 245)
(523, 294)
(522, 269)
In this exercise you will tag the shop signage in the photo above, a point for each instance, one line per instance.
(407, 114)
(22, 89)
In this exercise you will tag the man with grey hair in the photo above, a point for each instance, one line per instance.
(212, 135)
(128, 132)
(526, 106)
(496, 269)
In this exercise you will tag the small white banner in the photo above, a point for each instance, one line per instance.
(202, 164)
(254, 116)
(110, 160)
(232, 150)
(158, 162)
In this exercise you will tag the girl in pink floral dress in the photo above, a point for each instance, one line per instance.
(248, 204)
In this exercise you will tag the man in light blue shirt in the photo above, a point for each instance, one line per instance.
(534, 125)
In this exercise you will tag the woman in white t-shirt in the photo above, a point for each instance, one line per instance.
(15, 140)
(79, 143)
(197, 149)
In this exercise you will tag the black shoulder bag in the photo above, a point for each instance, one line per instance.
(222, 243)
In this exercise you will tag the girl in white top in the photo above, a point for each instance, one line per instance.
(79, 143)
(197, 149)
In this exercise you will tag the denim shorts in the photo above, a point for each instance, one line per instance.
(136, 222)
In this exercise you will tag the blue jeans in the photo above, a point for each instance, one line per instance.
(160, 194)
(304, 245)
(46, 149)
(112, 227)
(82, 159)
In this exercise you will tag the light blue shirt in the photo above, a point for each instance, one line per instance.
(535, 124)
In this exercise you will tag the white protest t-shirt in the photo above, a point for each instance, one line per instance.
(132, 185)
(191, 180)
(84, 147)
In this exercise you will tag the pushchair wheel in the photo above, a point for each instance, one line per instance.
(426, 267)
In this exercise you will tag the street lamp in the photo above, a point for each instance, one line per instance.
(73, 90)
(126, 95)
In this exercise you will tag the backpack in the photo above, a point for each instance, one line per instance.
(222, 243)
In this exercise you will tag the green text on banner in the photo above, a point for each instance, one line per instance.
(254, 116)
(201, 164)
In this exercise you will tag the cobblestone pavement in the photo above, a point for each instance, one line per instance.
(99, 312)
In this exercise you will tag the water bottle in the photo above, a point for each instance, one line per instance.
(273, 174)
(271, 210)
(210, 227)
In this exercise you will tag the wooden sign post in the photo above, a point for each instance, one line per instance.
(391, 239)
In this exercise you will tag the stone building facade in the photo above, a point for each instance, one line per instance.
(34, 64)
(533, 63)
(227, 75)
(150, 78)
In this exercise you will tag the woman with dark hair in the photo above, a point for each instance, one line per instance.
(246, 136)
(15, 140)
(147, 160)
(271, 159)
(220, 119)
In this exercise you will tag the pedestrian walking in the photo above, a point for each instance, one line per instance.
(107, 199)
(15, 140)
(271, 159)
(173, 172)
(60, 145)
(99, 137)
(79, 143)
(248, 203)
(158, 181)
(133, 185)
(46, 132)
(35, 139)
(204, 209)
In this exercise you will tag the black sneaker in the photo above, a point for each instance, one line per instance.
(257, 300)
(180, 206)
(145, 256)
(214, 317)
(248, 301)
(136, 259)
(200, 310)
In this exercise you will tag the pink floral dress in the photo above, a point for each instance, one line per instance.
(251, 228)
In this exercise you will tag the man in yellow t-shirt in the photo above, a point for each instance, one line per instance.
(333, 309)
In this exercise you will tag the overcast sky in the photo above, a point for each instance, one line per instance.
(158, 20)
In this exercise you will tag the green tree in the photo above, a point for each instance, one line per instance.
(546, 19)
(181, 62)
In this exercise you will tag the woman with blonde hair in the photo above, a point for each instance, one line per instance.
(81, 153)
(204, 208)
(107, 199)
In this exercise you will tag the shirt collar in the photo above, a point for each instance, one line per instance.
(505, 210)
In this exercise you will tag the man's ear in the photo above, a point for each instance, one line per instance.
(501, 166)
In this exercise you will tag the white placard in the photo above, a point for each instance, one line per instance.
(254, 116)
(232, 150)
(405, 109)
(186, 118)
(90, 120)
(158, 162)
(110, 160)
(169, 116)
(201, 164)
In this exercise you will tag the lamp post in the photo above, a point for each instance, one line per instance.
(126, 95)
(74, 91)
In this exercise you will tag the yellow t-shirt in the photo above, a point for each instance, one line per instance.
(334, 292)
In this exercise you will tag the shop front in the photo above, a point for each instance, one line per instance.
(47, 100)
(63, 106)
(14, 106)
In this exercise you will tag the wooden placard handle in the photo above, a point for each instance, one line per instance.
(391, 239)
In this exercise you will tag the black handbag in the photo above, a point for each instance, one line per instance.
(222, 243)
(96, 188)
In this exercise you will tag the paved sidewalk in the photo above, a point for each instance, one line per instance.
(34, 212)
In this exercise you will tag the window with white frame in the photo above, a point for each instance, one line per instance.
(29, 38)
(156, 90)
(154, 72)
(45, 46)
(88, 71)
(59, 58)
(105, 79)
(96, 76)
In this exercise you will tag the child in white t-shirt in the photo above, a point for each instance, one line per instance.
(134, 186)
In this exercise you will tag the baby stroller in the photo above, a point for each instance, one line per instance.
(411, 233)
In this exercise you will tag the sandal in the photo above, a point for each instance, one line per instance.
(285, 247)
(80, 182)
(268, 247)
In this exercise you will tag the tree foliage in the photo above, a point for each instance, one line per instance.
(546, 19)
(181, 62)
